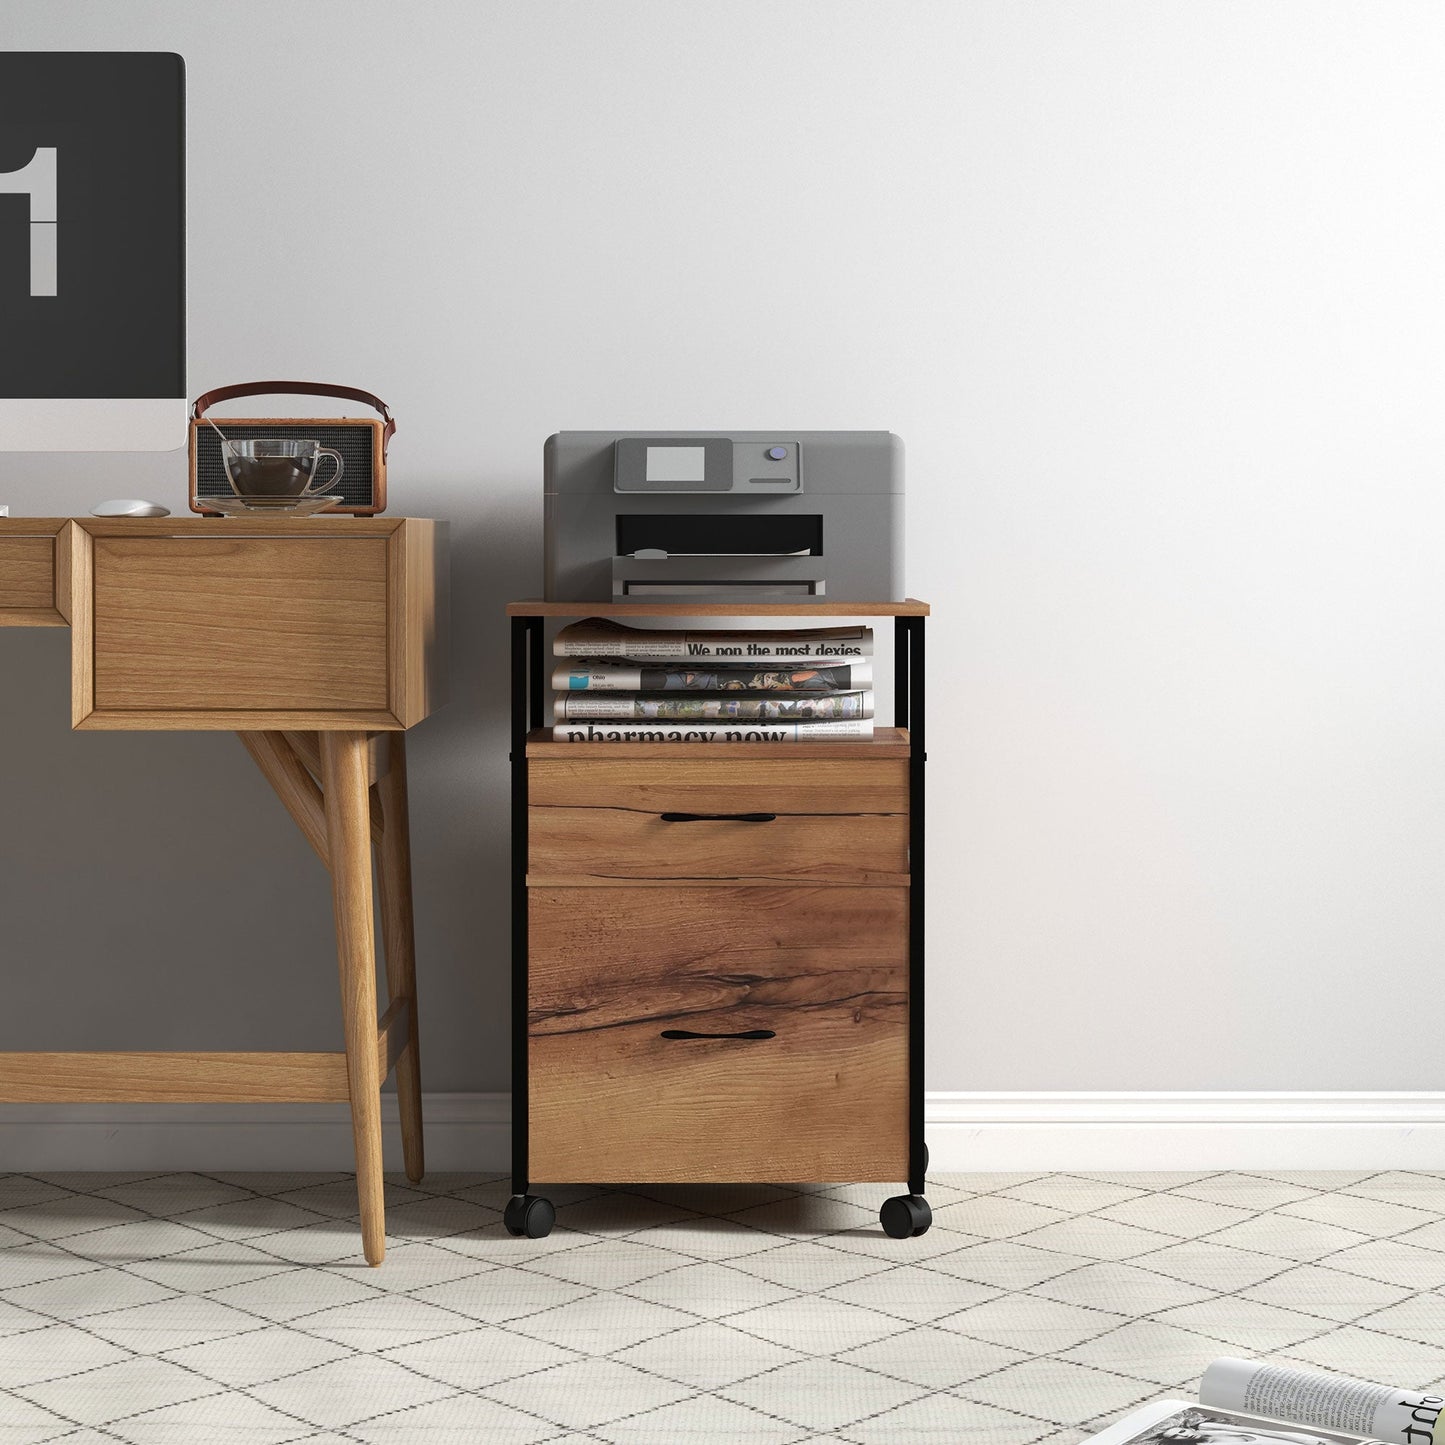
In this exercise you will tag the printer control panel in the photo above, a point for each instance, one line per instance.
(693, 464)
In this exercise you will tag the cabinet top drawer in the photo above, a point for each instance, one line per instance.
(735, 820)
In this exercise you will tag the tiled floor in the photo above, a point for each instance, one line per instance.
(189, 1309)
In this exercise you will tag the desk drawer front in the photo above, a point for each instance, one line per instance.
(764, 819)
(255, 623)
(27, 572)
(823, 970)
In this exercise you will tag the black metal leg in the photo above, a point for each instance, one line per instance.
(538, 674)
(917, 757)
(900, 672)
(908, 1215)
(526, 1214)
(521, 637)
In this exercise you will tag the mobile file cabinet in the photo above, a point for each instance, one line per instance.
(717, 948)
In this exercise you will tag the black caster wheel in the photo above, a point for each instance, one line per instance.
(905, 1216)
(529, 1215)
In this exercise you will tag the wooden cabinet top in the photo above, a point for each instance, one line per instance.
(884, 743)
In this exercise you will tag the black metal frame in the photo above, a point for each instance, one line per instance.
(528, 681)
(908, 677)
(527, 664)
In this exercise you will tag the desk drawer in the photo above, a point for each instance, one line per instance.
(602, 819)
(201, 623)
(824, 970)
(27, 575)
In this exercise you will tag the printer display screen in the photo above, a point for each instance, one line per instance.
(676, 464)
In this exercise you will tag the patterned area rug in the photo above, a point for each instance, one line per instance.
(236, 1309)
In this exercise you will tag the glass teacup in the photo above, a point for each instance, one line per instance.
(273, 468)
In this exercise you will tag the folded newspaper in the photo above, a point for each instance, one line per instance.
(758, 731)
(585, 676)
(597, 637)
(1245, 1402)
(779, 707)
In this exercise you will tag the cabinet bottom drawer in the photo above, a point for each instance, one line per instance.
(692, 1035)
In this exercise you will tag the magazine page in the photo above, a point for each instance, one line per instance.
(1401, 1417)
(1177, 1422)
(624, 676)
(597, 637)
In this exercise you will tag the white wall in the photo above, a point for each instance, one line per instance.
(1154, 292)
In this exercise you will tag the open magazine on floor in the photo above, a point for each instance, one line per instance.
(1245, 1402)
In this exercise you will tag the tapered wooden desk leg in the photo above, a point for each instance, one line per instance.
(398, 934)
(348, 820)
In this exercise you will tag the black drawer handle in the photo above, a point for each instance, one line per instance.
(745, 1034)
(719, 817)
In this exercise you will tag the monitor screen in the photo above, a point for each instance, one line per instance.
(92, 251)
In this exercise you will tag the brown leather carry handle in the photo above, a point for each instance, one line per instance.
(298, 388)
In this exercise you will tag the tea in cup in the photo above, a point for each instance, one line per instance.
(273, 468)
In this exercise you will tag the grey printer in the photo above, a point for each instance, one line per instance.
(757, 516)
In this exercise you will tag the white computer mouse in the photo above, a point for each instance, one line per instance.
(132, 507)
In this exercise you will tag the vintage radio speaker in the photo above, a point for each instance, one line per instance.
(361, 441)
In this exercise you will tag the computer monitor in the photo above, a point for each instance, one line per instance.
(92, 251)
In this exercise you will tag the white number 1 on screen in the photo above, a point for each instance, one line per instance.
(36, 178)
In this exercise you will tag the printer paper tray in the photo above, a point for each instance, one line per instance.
(712, 591)
(665, 556)
(711, 578)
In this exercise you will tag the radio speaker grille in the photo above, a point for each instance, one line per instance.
(363, 477)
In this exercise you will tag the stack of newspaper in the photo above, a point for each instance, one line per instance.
(633, 684)
(1244, 1402)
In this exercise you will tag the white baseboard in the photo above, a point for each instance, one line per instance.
(966, 1131)
(464, 1132)
(1116, 1131)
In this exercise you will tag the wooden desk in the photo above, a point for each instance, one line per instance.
(319, 642)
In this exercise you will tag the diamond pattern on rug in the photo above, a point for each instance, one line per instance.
(236, 1309)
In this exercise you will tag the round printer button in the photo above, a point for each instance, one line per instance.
(777, 453)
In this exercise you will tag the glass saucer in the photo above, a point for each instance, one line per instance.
(286, 506)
